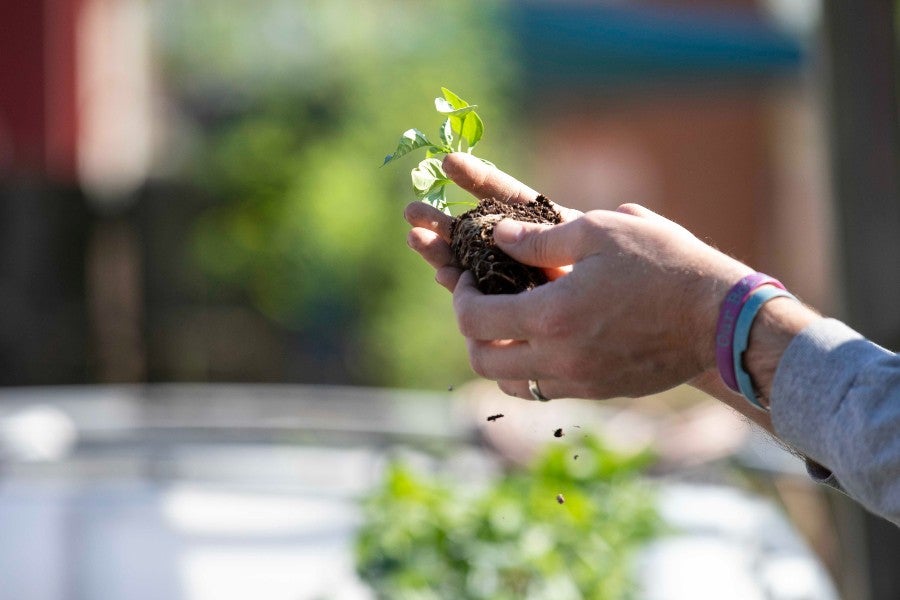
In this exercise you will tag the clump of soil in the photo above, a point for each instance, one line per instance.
(495, 417)
(558, 433)
(472, 242)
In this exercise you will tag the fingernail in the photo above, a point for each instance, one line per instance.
(508, 232)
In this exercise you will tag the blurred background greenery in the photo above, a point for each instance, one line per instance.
(307, 227)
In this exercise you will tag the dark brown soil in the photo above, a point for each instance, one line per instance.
(495, 417)
(558, 433)
(472, 242)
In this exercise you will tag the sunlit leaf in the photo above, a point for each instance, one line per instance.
(454, 100)
(438, 198)
(411, 139)
(472, 129)
(445, 108)
(428, 176)
(446, 132)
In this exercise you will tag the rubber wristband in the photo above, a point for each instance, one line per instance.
(742, 338)
(728, 314)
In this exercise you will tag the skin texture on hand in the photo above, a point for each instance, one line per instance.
(631, 308)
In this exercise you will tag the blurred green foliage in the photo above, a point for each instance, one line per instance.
(425, 538)
(294, 105)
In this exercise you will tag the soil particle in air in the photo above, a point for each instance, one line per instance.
(560, 499)
(495, 417)
(472, 242)
(558, 433)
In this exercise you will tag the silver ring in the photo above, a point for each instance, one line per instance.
(536, 391)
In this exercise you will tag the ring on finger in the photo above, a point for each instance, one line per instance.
(535, 390)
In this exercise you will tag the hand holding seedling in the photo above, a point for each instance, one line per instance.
(636, 314)
(470, 237)
(430, 235)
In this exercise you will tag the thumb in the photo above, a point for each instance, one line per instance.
(539, 245)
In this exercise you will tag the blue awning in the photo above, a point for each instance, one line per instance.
(609, 46)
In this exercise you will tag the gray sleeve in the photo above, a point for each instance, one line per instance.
(836, 399)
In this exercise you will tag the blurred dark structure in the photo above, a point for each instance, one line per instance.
(44, 221)
(862, 54)
(43, 311)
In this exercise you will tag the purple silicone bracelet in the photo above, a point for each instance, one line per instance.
(731, 308)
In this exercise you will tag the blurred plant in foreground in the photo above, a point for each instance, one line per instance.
(425, 538)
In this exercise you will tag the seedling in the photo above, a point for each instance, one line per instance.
(460, 131)
(471, 233)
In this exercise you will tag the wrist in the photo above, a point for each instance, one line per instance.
(776, 325)
(707, 308)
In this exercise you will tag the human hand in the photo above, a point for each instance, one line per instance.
(636, 314)
(430, 235)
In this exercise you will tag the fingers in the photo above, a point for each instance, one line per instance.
(550, 388)
(503, 359)
(429, 244)
(490, 317)
(448, 277)
(485, 181)
(545, 246)
(550, 246)
(430, 237)
(518, 388)
(420, 214)
(636, 210)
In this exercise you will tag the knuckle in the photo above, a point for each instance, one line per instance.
(631, 208)
(592, 220)
(587, 229)
(553, 322)
(538, 249)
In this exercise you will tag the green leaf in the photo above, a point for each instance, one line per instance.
(411, 139)
(446, 132)
(445, 108)
(472, 129)
(438, 198)
(454, 100)
(428, 176)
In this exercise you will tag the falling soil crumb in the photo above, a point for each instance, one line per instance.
(495, 417)
(449, 388)
(575, 457)
(558, 433)
(560, 498)
(577, 426)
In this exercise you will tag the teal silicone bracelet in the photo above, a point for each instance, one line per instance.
(742, 338)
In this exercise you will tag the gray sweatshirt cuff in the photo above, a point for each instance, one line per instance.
(835, 399)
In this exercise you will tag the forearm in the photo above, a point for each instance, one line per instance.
(711, 383)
